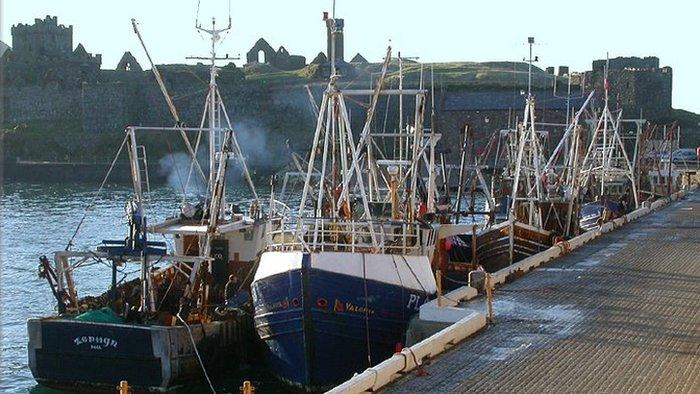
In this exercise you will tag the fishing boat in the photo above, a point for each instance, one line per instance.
(335, 289)
(539, 190)
(608, 184)
(184, 316)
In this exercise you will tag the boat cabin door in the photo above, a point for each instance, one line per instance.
(219, 254)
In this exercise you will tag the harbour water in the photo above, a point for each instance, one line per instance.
(38, 219)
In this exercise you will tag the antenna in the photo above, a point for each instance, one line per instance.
(196, 18)
(432, 89)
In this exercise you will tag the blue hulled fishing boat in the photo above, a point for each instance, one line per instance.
(327, 315)
(335, 289)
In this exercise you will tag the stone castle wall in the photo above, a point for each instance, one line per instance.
(42, 103)
(71, 87)
(108, 106)
(621, 63)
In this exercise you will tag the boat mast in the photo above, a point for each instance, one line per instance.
(223, 144)
(215, 110)
(606, 157)
(528, 162)
(212, 107)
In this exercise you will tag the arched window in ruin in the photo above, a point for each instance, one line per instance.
(261, 56)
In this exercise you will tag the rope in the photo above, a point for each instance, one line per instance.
(414, 274)
(97, 194)
(564, 246)
(189, 172)
(419, 366)
(403, 310)
(364, 277)
(199, 358)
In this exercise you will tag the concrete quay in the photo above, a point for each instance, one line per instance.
(619, 314)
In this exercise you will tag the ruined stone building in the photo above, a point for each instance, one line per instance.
(3, 48)
(43, 74)
(128, 63)
(358, 59)
(263, 53)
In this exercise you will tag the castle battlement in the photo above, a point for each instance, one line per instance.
(627, 63)
(48, 23)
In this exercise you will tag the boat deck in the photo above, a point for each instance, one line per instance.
(620, 314)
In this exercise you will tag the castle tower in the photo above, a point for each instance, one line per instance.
(43, 53)
(44, 38)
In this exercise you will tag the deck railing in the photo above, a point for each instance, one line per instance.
(257, 209)
(325, 234)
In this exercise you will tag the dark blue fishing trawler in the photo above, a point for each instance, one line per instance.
(335, 289)
(181, 318)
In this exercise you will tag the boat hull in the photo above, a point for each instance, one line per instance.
(83, 355)
(321, 327)
(493, 246)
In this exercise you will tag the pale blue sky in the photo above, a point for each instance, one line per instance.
(568, 32)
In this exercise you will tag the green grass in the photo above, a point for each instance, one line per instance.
(499, 75)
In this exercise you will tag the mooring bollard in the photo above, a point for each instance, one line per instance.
(247, 387)
(489, 298)
(124, 387)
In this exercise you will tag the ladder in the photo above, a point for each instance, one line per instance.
(142, 165)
